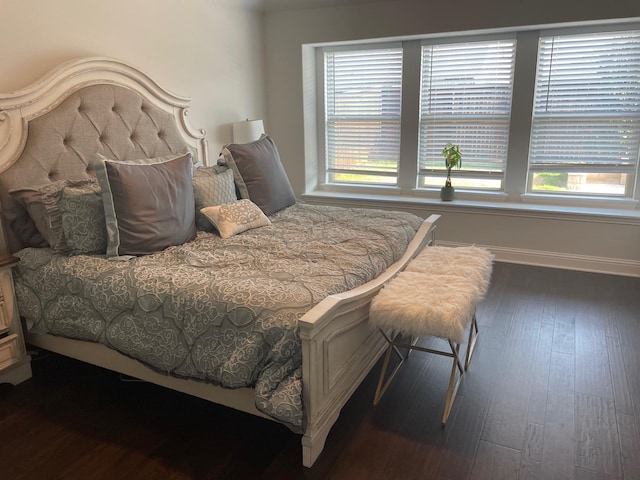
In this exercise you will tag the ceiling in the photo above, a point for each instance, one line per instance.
(279, 5)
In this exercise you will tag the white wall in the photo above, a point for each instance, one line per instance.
(211, 50)
(235, 65)
(600, 243)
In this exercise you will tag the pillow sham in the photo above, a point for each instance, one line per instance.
(259, 174)
(236, 217)
(147, 206)
(23, 228)
(212, 186)
(44, 206)
(83, 221)
(31, 200)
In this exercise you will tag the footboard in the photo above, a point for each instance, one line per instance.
(339, 348)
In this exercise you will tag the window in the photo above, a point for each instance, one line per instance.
(465, 99)
(585, 134)
(363, 95)
(540, 116)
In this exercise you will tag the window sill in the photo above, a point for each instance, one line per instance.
(493, 203)
(562, 201)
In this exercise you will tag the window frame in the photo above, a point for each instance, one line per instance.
(602, 167)
(517, 168)
(372, 172)
(465, 173)
(320, 109)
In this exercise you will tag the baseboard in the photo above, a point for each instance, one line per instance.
(568, 261)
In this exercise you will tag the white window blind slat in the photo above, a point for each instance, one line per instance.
(466, 93)
(363, 98)
(587, 102)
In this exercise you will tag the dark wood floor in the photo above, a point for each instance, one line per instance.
(553, 392)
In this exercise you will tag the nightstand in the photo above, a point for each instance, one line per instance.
(15, 364)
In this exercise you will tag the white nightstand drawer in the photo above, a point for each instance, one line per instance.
(9, 351)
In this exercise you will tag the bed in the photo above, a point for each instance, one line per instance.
(257, 302)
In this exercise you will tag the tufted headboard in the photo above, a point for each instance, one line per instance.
(53, 129)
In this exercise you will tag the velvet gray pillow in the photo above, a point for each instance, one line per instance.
(148, 206)
(259, 174)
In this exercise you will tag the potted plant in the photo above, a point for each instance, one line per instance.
(452, 159)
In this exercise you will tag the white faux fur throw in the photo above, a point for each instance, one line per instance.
(436, 295)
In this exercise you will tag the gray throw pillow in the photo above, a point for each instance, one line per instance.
(259, 174)
(148, 206)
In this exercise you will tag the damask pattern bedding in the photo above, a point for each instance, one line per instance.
(223, 311)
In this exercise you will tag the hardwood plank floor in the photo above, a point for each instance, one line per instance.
(552, 392)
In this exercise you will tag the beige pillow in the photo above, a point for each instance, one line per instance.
(235, 217)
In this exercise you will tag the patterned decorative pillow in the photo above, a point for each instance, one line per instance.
(212, 186)
(236, 217)
(83, 220)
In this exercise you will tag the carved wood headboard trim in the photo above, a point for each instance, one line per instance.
(18, 108)
(76, 81)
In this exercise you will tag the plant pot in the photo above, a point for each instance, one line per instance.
(447, 193)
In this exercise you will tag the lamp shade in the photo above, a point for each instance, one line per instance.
(247, 131)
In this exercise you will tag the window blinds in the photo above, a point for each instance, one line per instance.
(363, 95)
(466, 92)
(587, 103)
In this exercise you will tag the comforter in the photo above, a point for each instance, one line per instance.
(217, 310)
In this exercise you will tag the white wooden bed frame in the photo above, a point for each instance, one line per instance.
(339, 348)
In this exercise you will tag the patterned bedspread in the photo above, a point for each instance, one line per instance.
(220, 311)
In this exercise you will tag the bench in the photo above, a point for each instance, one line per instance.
(435, 296)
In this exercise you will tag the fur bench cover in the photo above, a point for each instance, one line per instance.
(436, 295)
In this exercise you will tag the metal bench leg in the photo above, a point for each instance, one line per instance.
(456, 366)
(473, 336)
(452, 390)
(393, 346)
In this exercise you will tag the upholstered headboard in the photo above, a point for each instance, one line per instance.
(53, 129)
